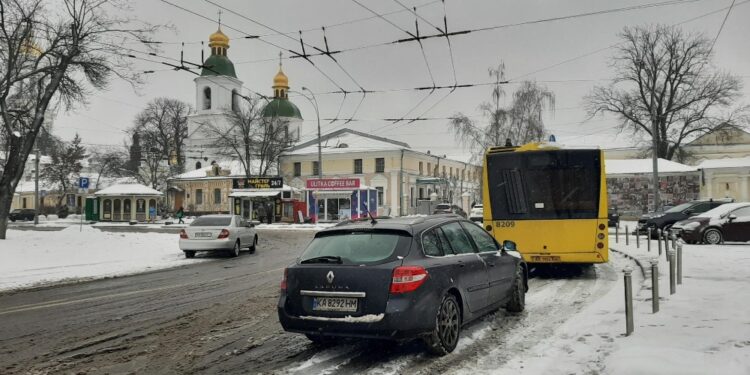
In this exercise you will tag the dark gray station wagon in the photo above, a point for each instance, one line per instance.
(400, 279)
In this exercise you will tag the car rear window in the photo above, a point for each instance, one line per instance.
(443, 206)
(357, 247)
(211, 222)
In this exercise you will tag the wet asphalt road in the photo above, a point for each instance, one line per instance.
(220, 317)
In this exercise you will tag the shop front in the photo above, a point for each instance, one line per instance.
(267, 199)
(338, 199)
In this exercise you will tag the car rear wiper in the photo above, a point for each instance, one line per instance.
(324, 259)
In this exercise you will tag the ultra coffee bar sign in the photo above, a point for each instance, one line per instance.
(333, 184)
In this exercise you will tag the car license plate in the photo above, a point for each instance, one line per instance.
(545, 258)
(334, 304)
(203, 235)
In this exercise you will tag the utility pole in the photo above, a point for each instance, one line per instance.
(655, 137)
(36, 187)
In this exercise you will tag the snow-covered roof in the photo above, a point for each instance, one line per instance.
(235, 168)
(348, 141)
(725, 163)
(128, 189)
(634, 166)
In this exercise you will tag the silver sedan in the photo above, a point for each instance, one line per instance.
(228, 233)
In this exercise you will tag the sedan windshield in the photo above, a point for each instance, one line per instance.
(213, 221)
(352, 247)
(679, 208)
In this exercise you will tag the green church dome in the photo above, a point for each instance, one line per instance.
(281, 108)
(218, 65)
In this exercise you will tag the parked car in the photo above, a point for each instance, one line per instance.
(665, 220)
(228, 233)
(400, 279)
(613, 217)
(477, 213)
(728, 222)
(447, 208)
(21, 214)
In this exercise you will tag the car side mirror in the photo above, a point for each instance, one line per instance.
(509, 245)
(732, 218)
(688, 212)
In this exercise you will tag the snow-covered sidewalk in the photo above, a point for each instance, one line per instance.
(32, 258)
(702, 329)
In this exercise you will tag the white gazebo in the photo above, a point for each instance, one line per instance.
(127, 202)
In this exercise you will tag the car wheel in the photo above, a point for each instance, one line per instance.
(444, 337)
(189, 254)
(713, 236)
(517, 302)
(254, 245)
(235, 252)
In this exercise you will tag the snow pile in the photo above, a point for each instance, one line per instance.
(722, 210)
(128, 189)
(30, 258)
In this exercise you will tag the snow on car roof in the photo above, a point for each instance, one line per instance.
(722, 210)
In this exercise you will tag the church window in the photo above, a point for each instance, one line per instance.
(197, 165)
(207, 98)
(235, 101)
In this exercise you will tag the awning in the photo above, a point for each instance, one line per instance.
(253, 194)
(340, 194)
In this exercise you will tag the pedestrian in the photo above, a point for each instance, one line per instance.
(152, 214)
(180, 214)
(261, 212)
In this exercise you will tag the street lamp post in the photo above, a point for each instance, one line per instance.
(314, 103)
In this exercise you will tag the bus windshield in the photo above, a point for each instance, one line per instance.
(544, 185)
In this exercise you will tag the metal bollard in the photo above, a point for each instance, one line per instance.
(679, 262)
(637, 240)
(655, 285)
(666, 242)
(672, 272)
(658, 239)
(628, 301)
(627, 236)
(617, 233)
(648, 239)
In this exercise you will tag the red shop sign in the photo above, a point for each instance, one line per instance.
(333, 183)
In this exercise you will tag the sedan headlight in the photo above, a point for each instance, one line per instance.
(691, 225)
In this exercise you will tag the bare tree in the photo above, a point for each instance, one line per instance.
(54, 51)
(522, 122)
(64, 167)
(151, 169)
(664, 75)
(108, 163)
(254, 140)
(163, 123)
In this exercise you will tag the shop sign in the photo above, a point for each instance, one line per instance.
(258, 183)
(333, 184)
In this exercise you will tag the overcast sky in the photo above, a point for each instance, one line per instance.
(537, 51)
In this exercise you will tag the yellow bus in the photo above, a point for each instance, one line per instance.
(552, 202)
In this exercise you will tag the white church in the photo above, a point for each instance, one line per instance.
(218, 92)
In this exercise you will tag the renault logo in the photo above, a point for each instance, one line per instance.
(329, 277)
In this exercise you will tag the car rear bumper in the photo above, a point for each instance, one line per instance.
(205, 245)
(402, 319)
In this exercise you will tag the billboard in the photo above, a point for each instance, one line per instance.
(333, 184)
(258, 183)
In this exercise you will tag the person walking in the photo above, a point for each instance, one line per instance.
(261, 212)
(180, 214)
(152, 214)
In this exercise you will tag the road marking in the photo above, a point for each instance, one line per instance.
(64, 302)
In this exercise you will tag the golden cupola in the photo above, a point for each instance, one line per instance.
(219, 43)
(280, 83)
(218, 64)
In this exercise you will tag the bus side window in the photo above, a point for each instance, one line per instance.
(515, 192)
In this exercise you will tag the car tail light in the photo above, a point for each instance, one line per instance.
(183, 234)
(223, 234)
(283, 280)
(407, 279)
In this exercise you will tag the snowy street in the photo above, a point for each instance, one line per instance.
(218, 314)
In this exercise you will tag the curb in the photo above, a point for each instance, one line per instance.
(636, 260)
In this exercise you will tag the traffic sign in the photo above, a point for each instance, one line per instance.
(83, 182)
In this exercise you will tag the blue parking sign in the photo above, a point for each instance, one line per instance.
(83, 182)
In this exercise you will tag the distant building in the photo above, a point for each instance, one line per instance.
(281, 111)
(403, 178)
